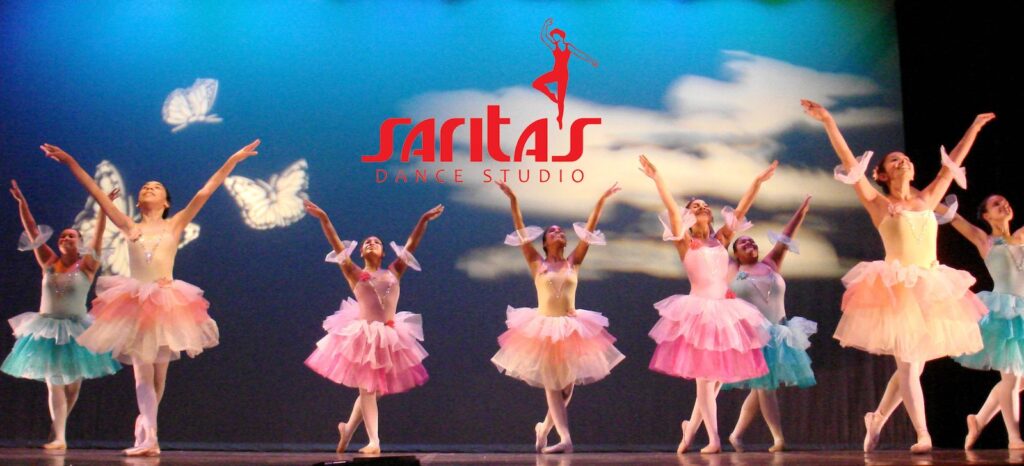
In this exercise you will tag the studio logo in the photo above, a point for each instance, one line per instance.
(429, 145)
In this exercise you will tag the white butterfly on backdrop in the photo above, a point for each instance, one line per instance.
(274, 203)
(115, 250)
(191, 105)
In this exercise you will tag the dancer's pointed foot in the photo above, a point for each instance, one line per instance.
(146, 449)
(344, 436)
(714, 447)
(541, 440)
(923, 445)
(736, 442)
(564, 446)
(372, 448)
(559, 121)
(55, 445)
(684, 443)
(973, 431)
(778, 446)
(140, 433)
(1017, 444)
(871, 432)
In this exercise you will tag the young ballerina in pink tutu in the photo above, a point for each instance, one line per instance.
(1001, 328)
(706, 335)
(148, 319)
(46, 349)
(370, 346)
(759, 282)
(908, 306)
(555, 346)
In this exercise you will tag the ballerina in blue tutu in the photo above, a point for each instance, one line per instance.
(45, 349)
(1002, 329)
(759, 282)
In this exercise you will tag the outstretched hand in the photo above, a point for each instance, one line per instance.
(16, 192)
(648, 168)
(433, 213)
(806, 204)
(611, 191)
(768, 172)
(56, 153)
(983, 119)
(246, 152)
(314, 210)
(505, 189)
(815, 110)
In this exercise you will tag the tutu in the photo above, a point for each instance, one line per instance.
(148, 321)
(717, 339)
(555, 352)
(911, 312)
(786, 356)
(46, 351)
(384, 357)
(1002, 331)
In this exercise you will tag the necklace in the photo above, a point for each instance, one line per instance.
(373, 284)
(149, 251)
(1017, 262)
(914, 229)
(771, 284)
(561, 284)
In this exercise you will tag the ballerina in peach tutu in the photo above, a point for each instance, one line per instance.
(707, 335)
(908, 306)
(555, 346)
(148, 319)
(369, 346)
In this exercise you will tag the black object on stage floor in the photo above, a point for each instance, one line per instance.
(379, 461)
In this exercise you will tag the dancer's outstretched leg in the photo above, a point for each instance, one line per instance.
(1009, 404)
(563, 83)
(146, 396)
(770, 410)
(58, 403)
(707, 391)
(346, 429)
(368, 402)
(557, 408)
(543, 429)
(873, 421)
(751, 406)
(159, 384)
(909, 374)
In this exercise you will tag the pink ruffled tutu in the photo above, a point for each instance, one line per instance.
(911, 312)
(384, 357)
(148, 321)
(555, 352)
(716, 339)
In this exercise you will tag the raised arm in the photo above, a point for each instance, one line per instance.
(774, 257)
(120, 219)
(348, 269)
(933, 193)
(186, 215)
(869, 197)
(582, 56)
(44, 255)
(92, 262)
(399, 266)
(581, 249)
(544, 37)
(533, 258)
(972, 233)
(725, 233)
(674, 216)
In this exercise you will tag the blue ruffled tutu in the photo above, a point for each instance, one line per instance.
(46, 351)
(786, 355)
(1002, 331)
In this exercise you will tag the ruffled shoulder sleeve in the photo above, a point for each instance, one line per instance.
(687, 220)
(338, 258)
(25, 243)
(952, 205)
(735, 224)
(853, 176)
(790, 243)
(406, 256)
(593, 238)
(524, 236)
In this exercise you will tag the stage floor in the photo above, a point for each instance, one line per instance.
(22, 457)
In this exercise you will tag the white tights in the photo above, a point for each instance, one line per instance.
(61, 400)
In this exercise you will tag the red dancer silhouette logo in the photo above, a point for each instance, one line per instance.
(563, 50)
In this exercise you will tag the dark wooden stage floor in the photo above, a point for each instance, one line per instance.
(36, 457)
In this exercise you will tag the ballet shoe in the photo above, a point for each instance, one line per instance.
(565, 446)
(870, 434)
(1015, 445)
(712, 448)
(55, 445)
(777, 446)
(736, 442)
(541, 440)
(684, 443)
(972, 432)
(344, 436)
(371, 449)
(922, 446)
(143, 450)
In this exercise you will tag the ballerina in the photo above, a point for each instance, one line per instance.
(559, 74)
(148, 319)
(761, 284)
(1003, 252)
(46, 348)
(706, 335)
(555, 346)
(370, 346)
(908, 306)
